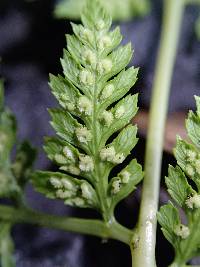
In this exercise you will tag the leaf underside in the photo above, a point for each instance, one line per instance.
(92, 109)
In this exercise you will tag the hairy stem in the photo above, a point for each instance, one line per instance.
(143, 253)
(85, 226)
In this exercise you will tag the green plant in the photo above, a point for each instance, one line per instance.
(94, 135)
(94, 80)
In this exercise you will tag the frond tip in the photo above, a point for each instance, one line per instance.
(92, 110)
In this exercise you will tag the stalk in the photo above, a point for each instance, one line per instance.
(143, 251)
(98, 228)
(192, 2)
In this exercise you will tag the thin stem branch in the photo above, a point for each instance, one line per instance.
(98, 228)
(143, 252)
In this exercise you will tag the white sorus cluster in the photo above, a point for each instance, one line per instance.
(62, 183)
(78, 201)
(87, 34)
(123, 178)
(106, 117)
(104, 42)
(68, 153)
(85, 105)
(116, 185)
(55, 182)
(67, 184)
(86, 191)
(65, 158)
(90, 57)
(109, 154)
(104, 66)
(63, 194)
(107, 91)
(83, 135)
(87, 77)
(119, 112)
(182, 231)
(119, 158)
(193, 201)
(86, 163)
(64, 187)
(193, 165)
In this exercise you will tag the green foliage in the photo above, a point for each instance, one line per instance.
(183, 183)
(120, 10)
(92, 110)
(7, 140)
(13, 175)
(22, 165)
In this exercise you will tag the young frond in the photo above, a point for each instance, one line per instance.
(92, 110)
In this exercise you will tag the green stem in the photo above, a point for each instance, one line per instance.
(143, 253)
(85, 226)
(182, 265)
(6, 246)
(192, 2)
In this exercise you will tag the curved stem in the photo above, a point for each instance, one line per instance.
(143, 253)
(85, 226)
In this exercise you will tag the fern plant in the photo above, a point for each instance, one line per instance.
(94, 135)
(92, 109)
(183, 183)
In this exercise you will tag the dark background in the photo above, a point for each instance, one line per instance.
(31, 43)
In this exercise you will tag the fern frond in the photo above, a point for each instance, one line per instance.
(92, 110)
(183, 183)
(13, 174)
